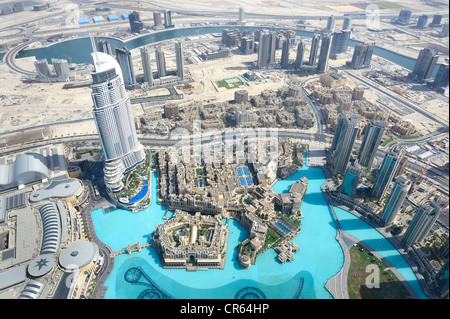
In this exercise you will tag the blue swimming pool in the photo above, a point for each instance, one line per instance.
(140, 275)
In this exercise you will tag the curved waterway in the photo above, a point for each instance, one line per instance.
(140, 275)
(80, 49)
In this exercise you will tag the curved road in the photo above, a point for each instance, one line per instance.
(10, 58)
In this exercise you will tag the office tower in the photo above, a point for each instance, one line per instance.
(157, 20)
(61, 68)
(266, 50)
(43, 69)
(330, 24)
(300, 55)
(422, 21)
(146, 65)
(168, 19)
(442, 279)
(339, 45)
(362, 56)
(437, 18)
(347, 23)
(395, 200)
(424, 67)
(404, 17)
(125, 61)
(114, 120)
(343, 141)
(104, 46)
(444, 31)
(160, 61)
(180, 60)
(351, 178)
(421, 223)
(370, 143)
(285, 54)
(442, 75)
(387, 171)
(241, 15)
(136, 24)
(314, 49)
(247, 45)
(322, 65)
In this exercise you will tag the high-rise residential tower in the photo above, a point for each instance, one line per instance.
(146, 65)
(347, 24)
(300, 55)
(114, 120)
(104, 46)
(442, 75)
(324, 56)
(425, 63)
(387, 172)
(168, 19)
(421, 223)
(362, 56)
(370, 143)
(330, 24)
(266, 50)
(314, 49)
(160, 61)
(180, 60)
(285, 54)
(241, 15)
(125, 61)
(351, 178)
(339, 45)
(395, 200)
(343, 141)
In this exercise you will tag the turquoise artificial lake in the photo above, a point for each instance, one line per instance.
(140, 275)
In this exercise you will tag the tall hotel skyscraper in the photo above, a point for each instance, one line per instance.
(422, 222)
(114, 120)
(388, 169)
(343, 141)
(370, 143)
(395, 200)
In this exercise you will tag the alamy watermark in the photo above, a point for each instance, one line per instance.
(253, 145)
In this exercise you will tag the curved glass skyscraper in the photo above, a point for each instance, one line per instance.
(114, 120)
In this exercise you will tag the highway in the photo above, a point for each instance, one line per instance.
(411, 106)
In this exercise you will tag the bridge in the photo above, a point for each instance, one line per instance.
(130, 249)
(10, 58)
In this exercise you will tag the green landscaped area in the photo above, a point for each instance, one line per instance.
(389, 5)
(230, 83)
(390, 286)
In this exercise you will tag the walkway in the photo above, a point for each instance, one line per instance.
(129, 249)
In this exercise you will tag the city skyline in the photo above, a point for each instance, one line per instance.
(137, 153)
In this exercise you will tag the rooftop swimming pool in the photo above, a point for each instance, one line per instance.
(140, 275)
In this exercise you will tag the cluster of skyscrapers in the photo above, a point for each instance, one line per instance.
(124, 58)
(334, 45)
(388, 172)
(137, 26)
(61, 70)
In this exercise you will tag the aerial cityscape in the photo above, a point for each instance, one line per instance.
(290, 149)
